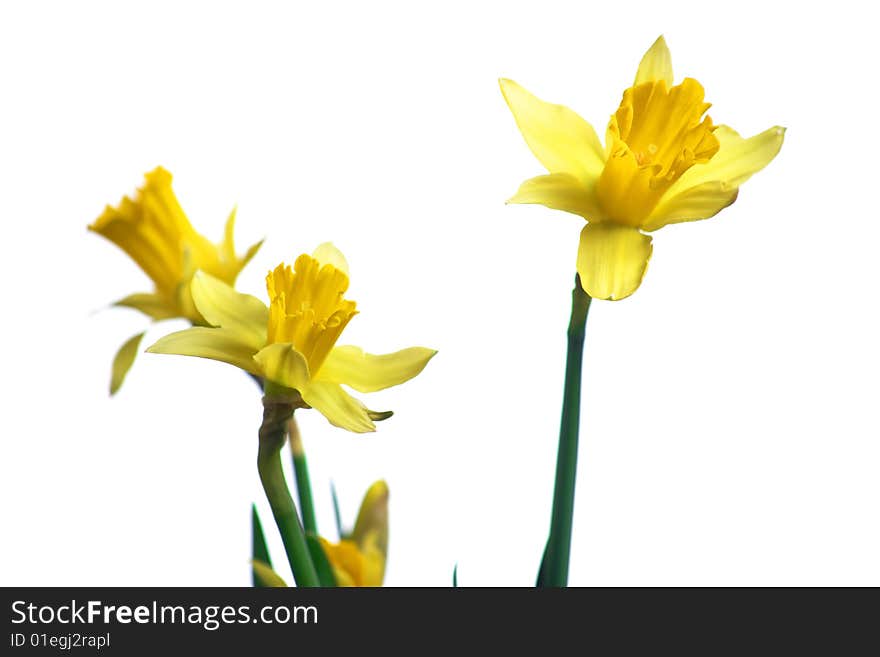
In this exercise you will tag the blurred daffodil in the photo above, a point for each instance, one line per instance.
(291, 344)
(154, 231)
(663, 162)
(359, 559)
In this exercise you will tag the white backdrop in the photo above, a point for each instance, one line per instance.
(729, 432)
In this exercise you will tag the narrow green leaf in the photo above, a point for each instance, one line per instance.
(123, 361)
(301, 474)
(336, 513)
(319, 558)
(542, 571)
(455, 576)
(259, 549)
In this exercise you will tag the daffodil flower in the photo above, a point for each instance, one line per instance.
(154, 231)
(663, 162)
(359, 559)
(291, 344)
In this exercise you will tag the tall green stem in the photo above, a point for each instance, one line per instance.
(277, 410)
(555, 568)
(303, 483)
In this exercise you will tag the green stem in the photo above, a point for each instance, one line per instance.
(559, 543)
(303, 484)
(277, 410)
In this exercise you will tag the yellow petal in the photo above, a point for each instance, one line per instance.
(281, 363)
(214, 343)
(222, 306)
(612, 260)
(736, 161)
(656, 64)
(340, 408)
(367, 372)
(560, 191)
(700, 202)
(560, 139)
(346, 560)
(372, 519)
(227, 247)
(123, 361)
(327, 254)
(153, 305)
(266, 575)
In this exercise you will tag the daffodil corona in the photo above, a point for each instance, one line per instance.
(154, 231)
(663, 162)
(291, 344)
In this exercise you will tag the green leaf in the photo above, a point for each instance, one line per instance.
(123, 361)
(319, 558)
(542, 571)
(455, 576)
(336, 513)
(259, 549)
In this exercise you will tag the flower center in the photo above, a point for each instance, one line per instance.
(653, 138)
(307, 308)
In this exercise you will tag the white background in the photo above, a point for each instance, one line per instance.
(729, 434)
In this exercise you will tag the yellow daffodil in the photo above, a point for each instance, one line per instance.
(292, 343)
(154, 231)
(663, 162)
(359, 559)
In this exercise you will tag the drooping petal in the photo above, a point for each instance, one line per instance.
(612, 260)
(154, 306)
(700, 202)
(367, 372)
(340, 408)
(222, 306)
(281, 363)
(656, 64)
(327, 254)
(560, 139)
(560, 191)
(214, 343)
(123, 361)
(736, 161)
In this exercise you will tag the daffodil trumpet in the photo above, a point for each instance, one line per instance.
(663, 162)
